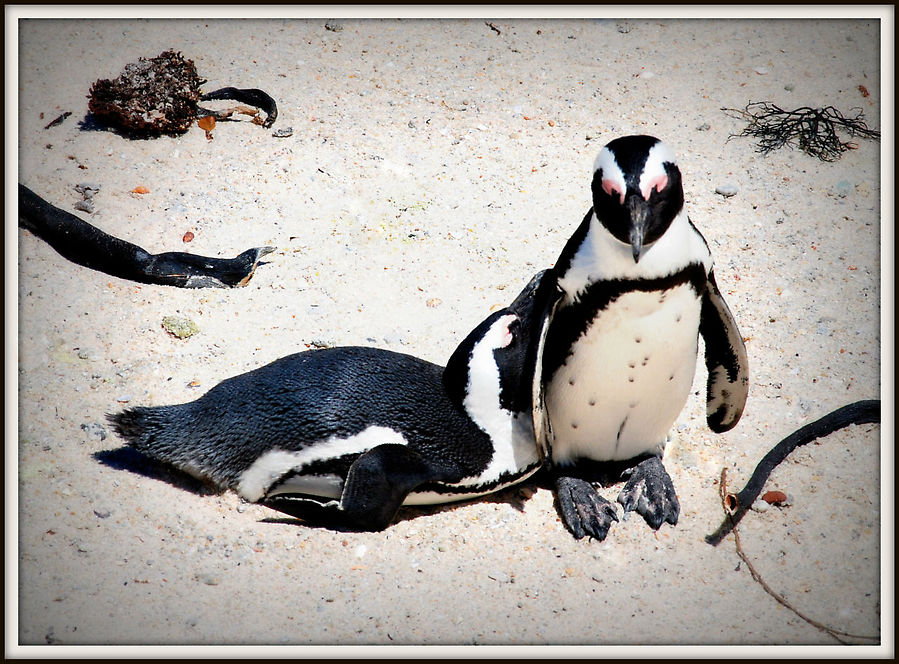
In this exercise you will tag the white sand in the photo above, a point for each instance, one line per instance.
(434, 167)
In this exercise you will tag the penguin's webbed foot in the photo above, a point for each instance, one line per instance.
(650, 492)
(584, 511)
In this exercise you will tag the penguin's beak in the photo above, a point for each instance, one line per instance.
(638, 209)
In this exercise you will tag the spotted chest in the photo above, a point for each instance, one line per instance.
(624, 380)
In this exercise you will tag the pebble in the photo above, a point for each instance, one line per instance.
(705, 126)
(760, 506)
(843, 188)
(727, 190)
(87, 189)
(500, 577)
(85, 206)
(95, 430)
(286, 132)
(209, 578)
(179, 326)
(789, 87)
(102, 513)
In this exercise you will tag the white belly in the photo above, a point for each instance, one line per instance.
(627, 379)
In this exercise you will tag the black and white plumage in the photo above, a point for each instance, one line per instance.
(345, 436)
(636, 287)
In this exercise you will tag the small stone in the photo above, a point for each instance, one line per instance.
(843, 188)
(705, 126)
(85, 206)
(333, 26)
(789, 87)
(727, 190)
(760, 506)
(285, 132)
(87, 189)
(94, 430)
(179, 326)
(209, 578)
(102, 513)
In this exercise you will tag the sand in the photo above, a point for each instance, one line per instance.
(434, 166)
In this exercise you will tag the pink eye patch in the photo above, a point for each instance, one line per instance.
(658, 183)
(612, 188)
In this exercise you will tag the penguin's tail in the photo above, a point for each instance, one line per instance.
(164, 433)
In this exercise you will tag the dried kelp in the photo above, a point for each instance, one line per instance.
(812, 130)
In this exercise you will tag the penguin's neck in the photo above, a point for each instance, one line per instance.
(511, 434)
(482, 395)
(602, 257)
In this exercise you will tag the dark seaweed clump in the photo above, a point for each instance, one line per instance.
(812, 130)
(150, 97)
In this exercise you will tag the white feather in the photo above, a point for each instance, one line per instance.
(271, 466)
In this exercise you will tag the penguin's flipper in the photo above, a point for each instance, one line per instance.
(544, 294)
(650, 492)
(725, 359)
(583, 510)
(376, 485)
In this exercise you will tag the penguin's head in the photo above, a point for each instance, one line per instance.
(498, 359)
(637, 190)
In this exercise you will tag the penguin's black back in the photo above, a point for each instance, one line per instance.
(304, 399)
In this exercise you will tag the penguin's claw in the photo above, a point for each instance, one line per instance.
(584, 511)
(650, 492)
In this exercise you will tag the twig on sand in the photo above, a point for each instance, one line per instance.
(727, 503)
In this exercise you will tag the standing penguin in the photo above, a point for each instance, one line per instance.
(345, 436)
(636, 288)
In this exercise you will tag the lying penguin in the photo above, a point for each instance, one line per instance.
(636, 288)
(345, 436)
